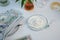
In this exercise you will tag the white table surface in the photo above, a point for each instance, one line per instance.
(51, 33)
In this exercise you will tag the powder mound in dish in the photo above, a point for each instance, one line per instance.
(37, 22)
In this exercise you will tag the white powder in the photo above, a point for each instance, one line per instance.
(37, 22)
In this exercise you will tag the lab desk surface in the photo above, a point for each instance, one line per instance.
(50, 33)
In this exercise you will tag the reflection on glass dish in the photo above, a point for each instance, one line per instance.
(37, 22)
(55, 6)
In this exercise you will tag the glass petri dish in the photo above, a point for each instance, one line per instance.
(8, 17)
(37, 22)
(41, 3)
(4, 2)
(55, 6)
